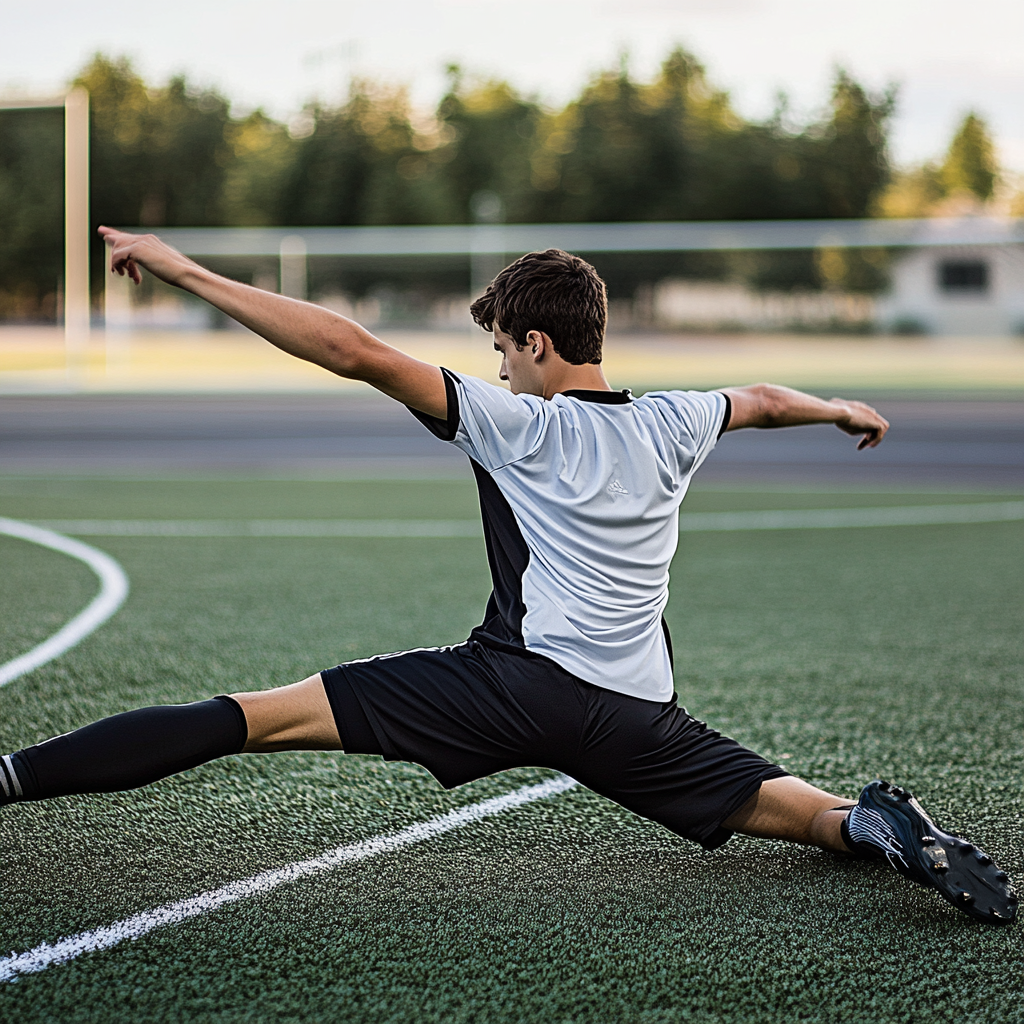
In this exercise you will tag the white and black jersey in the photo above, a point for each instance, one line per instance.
(571, 668)
(580, 497)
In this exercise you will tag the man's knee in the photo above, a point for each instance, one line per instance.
(295, 717)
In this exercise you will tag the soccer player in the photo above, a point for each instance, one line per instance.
(571, 668)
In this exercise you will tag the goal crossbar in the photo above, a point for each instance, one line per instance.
(693, 236)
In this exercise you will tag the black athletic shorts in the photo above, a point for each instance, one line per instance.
(468, 711)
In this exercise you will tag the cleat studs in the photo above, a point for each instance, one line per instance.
(995, 913)
(966, 897)
(968, 847)
(940, 866)
(927, 840)
(983, 858)
(884, 786)
(1002, 876)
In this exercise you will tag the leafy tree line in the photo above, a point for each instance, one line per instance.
(965, 182)
(623, 150)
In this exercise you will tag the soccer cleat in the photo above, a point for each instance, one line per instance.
(888, 819)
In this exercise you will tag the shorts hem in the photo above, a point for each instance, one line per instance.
(353, 720)
(715, 836)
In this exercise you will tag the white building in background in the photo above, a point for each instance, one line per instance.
(956, 290)
(730, 306)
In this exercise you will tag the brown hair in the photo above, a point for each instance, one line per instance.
(554, 292)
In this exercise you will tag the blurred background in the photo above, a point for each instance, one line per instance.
(827, 196)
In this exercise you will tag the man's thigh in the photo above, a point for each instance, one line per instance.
(450, 709)
(659, 762)
(295, 717)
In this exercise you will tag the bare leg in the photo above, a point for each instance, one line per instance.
(793, 810)
(295, 717)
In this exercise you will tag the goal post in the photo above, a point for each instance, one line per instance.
(76, 228)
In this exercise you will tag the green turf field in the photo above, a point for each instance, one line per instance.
(846, 654)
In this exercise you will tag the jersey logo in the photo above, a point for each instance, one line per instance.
(616, 488)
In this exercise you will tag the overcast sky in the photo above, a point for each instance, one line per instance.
(948, 57)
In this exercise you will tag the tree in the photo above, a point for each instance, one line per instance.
(970, 164)
(623, 150)
(850, 148)
(966, 178)
(486, 132)
(263, 154)
(912, 192)
(368, 163)
(31, 212)
(157, 156)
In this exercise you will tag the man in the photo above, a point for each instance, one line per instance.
(571, 669)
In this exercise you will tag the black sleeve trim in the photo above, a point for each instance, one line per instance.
(668, 642)
(728, 414)
(445, 429)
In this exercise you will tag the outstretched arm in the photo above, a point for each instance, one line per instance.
(769, 405)
(299, 328)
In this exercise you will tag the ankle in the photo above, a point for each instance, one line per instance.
(827, 830)
(17, 780)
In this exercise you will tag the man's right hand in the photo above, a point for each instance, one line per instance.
(770, 405)
(859, 418)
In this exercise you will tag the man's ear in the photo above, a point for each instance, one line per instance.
(538, 343)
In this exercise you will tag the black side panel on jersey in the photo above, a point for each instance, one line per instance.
(507, 553)
(668, 642)
(508, 557)
(445, 429)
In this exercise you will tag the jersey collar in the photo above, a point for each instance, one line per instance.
(622, 397)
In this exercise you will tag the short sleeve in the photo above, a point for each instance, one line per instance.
(694, 420)
(491, 425)
(447, 428)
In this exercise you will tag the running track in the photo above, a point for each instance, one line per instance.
(933, 443)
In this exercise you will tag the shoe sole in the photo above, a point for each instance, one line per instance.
(961, 873)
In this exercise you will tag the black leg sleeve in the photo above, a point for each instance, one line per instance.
(126, 751)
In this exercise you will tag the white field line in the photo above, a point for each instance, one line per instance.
(269, 527)
(689, 522)
(842, 518)
(63, 950)
(113, 591)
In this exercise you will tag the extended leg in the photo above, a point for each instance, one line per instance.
(136, 748)
(887, 823)
(791, 809)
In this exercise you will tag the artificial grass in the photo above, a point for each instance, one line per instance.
(39, 591)
(91, 498)
(845, 654)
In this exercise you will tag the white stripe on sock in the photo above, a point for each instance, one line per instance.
(9, 764)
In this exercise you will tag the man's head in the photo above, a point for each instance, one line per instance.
(554, 293)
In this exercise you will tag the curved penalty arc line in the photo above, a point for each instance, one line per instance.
(113, 591)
